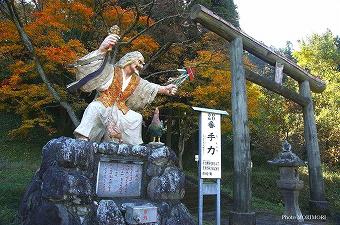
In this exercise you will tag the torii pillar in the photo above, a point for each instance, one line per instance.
(317, 202)
(241, 213)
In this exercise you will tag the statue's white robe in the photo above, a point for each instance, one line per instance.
(96, 116)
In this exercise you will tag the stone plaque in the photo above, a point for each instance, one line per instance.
(116, 179)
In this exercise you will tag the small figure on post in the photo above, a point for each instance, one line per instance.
(112, 115)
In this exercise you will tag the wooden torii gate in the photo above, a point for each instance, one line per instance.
(242, 213)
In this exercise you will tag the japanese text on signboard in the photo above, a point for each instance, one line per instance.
(210, 145)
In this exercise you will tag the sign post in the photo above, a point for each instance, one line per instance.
(209, 158)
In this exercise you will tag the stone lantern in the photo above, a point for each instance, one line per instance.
(289, 182)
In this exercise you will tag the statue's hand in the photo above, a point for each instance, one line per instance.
(169, 89)
(173, 89)
(108, 43)
(114, 132)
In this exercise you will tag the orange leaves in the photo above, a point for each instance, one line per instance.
(52, 17)
(124, 17)
(9, 38)
(14, 81)
(145, 20)
(62, 55)
(8, 31)
(79, 16)
(213, 82)
(145, 44)
(59, 57)
(20, 68)
(59, 33)
(61, 17)
(76, 46)
(78, 8)
(22, 91)
(13, 49)
(27, 100)
(117, 15)
(28, 124)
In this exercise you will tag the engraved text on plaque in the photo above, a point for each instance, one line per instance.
(119, 179)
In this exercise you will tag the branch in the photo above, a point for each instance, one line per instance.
(13, 11)
(158, 54)
(24, 11)
(134, 22)
(37, 6)
(115, 52)
(29, 46)
(148, 28)
(160, 72)
(4, 11)
(149, 14)
(142, 7)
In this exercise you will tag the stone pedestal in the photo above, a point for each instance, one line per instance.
(290, 190)
(65, 190)
(237, 218)
(319, 207)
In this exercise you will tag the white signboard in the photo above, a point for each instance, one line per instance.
(210, 145)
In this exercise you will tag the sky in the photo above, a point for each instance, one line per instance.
(276, 21)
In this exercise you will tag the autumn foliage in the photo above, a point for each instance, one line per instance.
(61, 32)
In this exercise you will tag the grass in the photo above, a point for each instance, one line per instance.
(19, 160)
(14, 178)
(332, 189)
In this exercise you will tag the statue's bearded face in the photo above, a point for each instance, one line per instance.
(137, 66)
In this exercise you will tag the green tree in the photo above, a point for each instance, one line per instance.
(320, 54)
(224, 8)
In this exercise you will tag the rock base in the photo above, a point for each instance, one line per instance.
(63, 190)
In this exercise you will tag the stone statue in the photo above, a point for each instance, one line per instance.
(121, 92)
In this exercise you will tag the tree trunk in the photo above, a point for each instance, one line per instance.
(29, 46)
(181, 144)
(169, 132)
